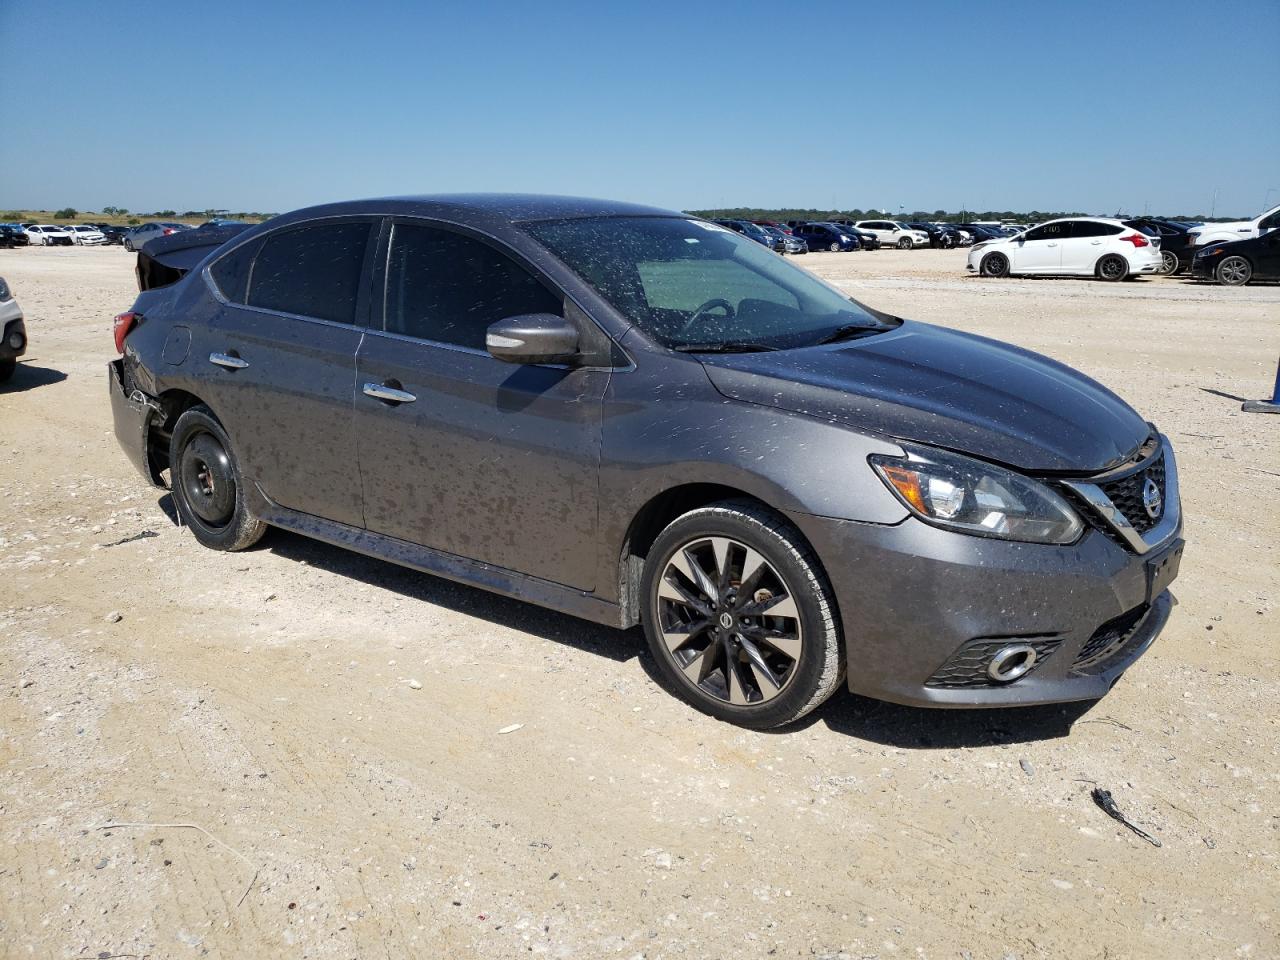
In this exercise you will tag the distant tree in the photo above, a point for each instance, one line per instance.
(66, 213)
(165, 213)
(134, 221)
(13, 215)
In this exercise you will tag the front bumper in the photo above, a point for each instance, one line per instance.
(916, 601)
(13, 328)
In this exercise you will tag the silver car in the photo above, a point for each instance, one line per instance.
(139, 235)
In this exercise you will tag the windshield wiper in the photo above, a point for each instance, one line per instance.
(728, 346)
(849, 331)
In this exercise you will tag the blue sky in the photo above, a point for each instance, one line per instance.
(275, 105)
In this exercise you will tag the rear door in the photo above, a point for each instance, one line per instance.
(279, 362)
(478, 458)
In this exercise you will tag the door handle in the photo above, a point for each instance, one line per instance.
(390, 394)
(1051, 244)
(1096, 243)
(230, 361)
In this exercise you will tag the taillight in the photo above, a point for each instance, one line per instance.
(1137, 239)
(167, 231)
(121, 326)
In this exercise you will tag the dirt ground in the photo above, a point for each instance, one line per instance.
(336, 724)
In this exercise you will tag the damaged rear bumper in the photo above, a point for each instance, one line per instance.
(132, 413)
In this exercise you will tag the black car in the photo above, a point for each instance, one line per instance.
(1238, 262)
(1176, 243)
(11, 236)
(114, 233)
(827, 236)
(755, 232)
(639, 417)
(866, 239)
(983, 231)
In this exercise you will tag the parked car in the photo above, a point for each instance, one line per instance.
(1237, 262)
(47, 235)
(788, 490)
(14, 343)
(139, 235)
(1175, 242)
(754, 232)
(1076, 246)
(893, 234)
(981, 232)
(826, 236)
(789, 243)
(1238, 230)
(114, 234)
(86, 236)
(12, 236)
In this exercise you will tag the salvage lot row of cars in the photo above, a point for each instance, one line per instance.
(89, 234)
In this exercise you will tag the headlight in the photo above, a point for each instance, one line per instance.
(955, 492)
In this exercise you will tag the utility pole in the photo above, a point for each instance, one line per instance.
(1213, 207)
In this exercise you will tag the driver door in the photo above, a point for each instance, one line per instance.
(1040, 250)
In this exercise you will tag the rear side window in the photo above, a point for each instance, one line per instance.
(446, 287)
(230, 272)
(311, 271)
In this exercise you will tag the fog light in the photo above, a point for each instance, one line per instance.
(16, 340)
(1011, 662)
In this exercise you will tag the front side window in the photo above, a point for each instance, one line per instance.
(1049, 231)
(310, 271)
(692, 285)
(449, 288)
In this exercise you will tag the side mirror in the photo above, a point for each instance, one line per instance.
(533, 338)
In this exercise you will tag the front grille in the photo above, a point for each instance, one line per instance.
(1108, 640)
(1126, 494)
(968, 666)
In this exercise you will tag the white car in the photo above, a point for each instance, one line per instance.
(135, 238)
(894, 234)
(1238, 230)
(47, 235)
(86, 236)
(1075, 246)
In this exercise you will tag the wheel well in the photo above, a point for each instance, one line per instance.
(174, 403)
(654, 517)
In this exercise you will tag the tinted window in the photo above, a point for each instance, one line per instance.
(230, 273)
(311, 271)
(1050, 231)
(445, 287)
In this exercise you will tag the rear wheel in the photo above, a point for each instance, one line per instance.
(739, 616)
(207, 486)
(995, 265)
(1112, 267)
(906, 243)
(1168, 263)
(128, 245)
(6, 369)
(1234, 271)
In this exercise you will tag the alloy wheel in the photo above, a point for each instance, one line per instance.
(1170, 265)
(1111, 268)
(1234, 271)
(729, 621)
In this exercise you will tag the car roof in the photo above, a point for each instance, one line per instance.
(482, 208)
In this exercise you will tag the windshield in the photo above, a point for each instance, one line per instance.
(687, 283)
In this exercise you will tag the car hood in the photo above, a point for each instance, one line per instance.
(947, 389)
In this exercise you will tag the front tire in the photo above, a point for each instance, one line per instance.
(207, 486)
(995, 265)
(1112, 267)
(1169, 263)
(128, 245)
(1234, 271)
(906, 243)
(740, 617)
(834, 248)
